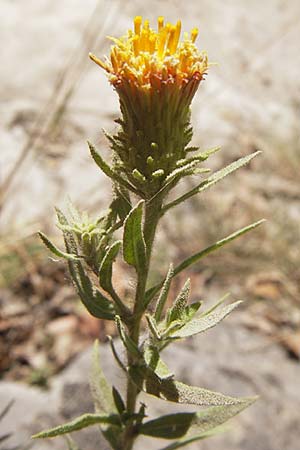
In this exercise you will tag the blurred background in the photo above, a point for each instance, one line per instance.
(52, 100)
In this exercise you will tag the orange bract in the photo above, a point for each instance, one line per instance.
(145, 56)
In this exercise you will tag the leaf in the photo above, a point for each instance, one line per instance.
(94, 301)
(56, 250)
(100, 389)
(171, 426)
(108, 171)
(203, 323)
(154, 361)
(177, 310)
(197, 256)
(119, 403)
(163, 296)
(153, 327)
(205, 423)
(105, 272)
(134, 247)
(121, 204)
(129, 344)
(174, 391)
(213, 179)
(86, 420)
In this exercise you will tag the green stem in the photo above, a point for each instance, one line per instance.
(152, 216)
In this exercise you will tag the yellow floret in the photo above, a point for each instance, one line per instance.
(144, 53)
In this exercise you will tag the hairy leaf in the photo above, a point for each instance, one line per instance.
(100, 389)
(134, 247)
(108, 171)
(197, 256)
(56, 250)
(127, 341)
(163, 295)
(209, 421)
(153, 327)
(154, 361)
(86, 420)
(95, 302)
(213, 179)
(180, 303)
(175, 391)
(105, 272)
(203, 323)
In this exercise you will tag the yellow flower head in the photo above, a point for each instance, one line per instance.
(147, 58)
(156, 77)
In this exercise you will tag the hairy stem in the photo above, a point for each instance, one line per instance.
(152, 216)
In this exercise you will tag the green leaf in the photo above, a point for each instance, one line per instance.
(197, 256)
(127, 341)
(154, 361)
(100, 388)
(108, 171)
(153, 327)
(94, 301)
(213, 179)
(177, 310)
(105, 272)
(119, 403)
(203, 156)
(171, 426)
(174, 391)
(86, 420)
(56, 250)
(204, 323)
(202, 424)
(121, 205)
(191, 310)
(134, 247)
(163, 295)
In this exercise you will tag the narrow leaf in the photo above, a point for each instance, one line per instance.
(171, 426)
(100, 388)
(213, 179)
(154, 361)
(204, 323)
(108, 171)
(127, 341)
(134, 247)
(197, 256)
(208, 421)
(56, 250)
(177, 310)
(175, 391)
(105, 272)
(153, 327)
(94, 301)
(86, 420)
(163, 295)
(120, 405)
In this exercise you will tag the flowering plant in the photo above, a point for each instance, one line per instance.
(156, 77)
